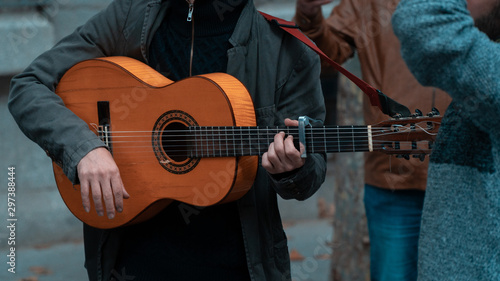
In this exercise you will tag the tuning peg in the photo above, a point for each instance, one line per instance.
(405, 156)
(397, 116)
(421, 157)
(417, 113)
(434, 112)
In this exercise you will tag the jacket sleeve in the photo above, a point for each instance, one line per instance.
(302, 95)
(443, 48)
(334, 35)
(40, 113)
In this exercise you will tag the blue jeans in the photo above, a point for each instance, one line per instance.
(394, 225)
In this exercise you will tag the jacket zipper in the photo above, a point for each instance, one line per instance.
(190, 19)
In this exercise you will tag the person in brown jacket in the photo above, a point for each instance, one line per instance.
(394, 188)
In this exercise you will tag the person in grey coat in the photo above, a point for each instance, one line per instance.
(241, 240)
(454, 45)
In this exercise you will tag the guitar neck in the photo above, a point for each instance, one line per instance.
(246, 141)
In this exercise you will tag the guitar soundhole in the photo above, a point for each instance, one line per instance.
(171, 143)
(174, 141)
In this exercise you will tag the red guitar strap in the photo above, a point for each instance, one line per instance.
(377, 98)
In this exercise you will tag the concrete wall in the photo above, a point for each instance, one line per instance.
(29, 31)
(42, 215)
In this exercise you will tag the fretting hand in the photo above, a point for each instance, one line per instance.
(282, 156)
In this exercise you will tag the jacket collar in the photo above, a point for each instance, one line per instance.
(242, 32)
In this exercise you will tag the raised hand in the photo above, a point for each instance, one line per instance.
(311, 8)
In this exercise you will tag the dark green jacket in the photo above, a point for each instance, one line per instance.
(281, 74)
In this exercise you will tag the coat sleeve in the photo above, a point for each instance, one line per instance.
(40, 113)
(443, 48)
(302, 95)
(335, 34)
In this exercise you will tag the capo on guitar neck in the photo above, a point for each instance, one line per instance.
(303, 122)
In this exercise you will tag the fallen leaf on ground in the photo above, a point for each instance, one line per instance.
(40, 270)
(295, 255)
(322, 257)
(31, 278)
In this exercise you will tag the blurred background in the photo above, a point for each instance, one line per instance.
(49, 239)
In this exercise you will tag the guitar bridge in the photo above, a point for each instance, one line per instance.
(104, 128)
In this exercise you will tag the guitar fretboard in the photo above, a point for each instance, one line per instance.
(246, 141)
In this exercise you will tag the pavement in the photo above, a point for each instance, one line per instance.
(308, 242)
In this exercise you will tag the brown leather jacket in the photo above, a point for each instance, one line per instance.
(364, 26)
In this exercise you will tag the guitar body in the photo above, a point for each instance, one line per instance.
(143, 111)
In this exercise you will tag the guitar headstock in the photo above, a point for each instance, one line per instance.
(405, 136)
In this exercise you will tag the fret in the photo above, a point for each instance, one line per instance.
(206, 141)
(237, 142)
(346, 140)
(267, 138)
(216, 136)
(258, 141)
(189, 144)
(201, 142)
(196, 141)
(312, 140)
(338, 138)
(362, 141)
(211, 134)
(233, 143)
(353, 143)
(227, 145)
(249, 141)
(324, 138)
(220, 143)
(241, 141)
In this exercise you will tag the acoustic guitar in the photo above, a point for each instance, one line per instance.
(196, 140)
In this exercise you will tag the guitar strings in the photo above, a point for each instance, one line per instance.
(344, 139)
(249, 131)
(216, 149)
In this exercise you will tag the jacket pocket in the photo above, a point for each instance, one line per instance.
(266, 116)
(282, 259)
